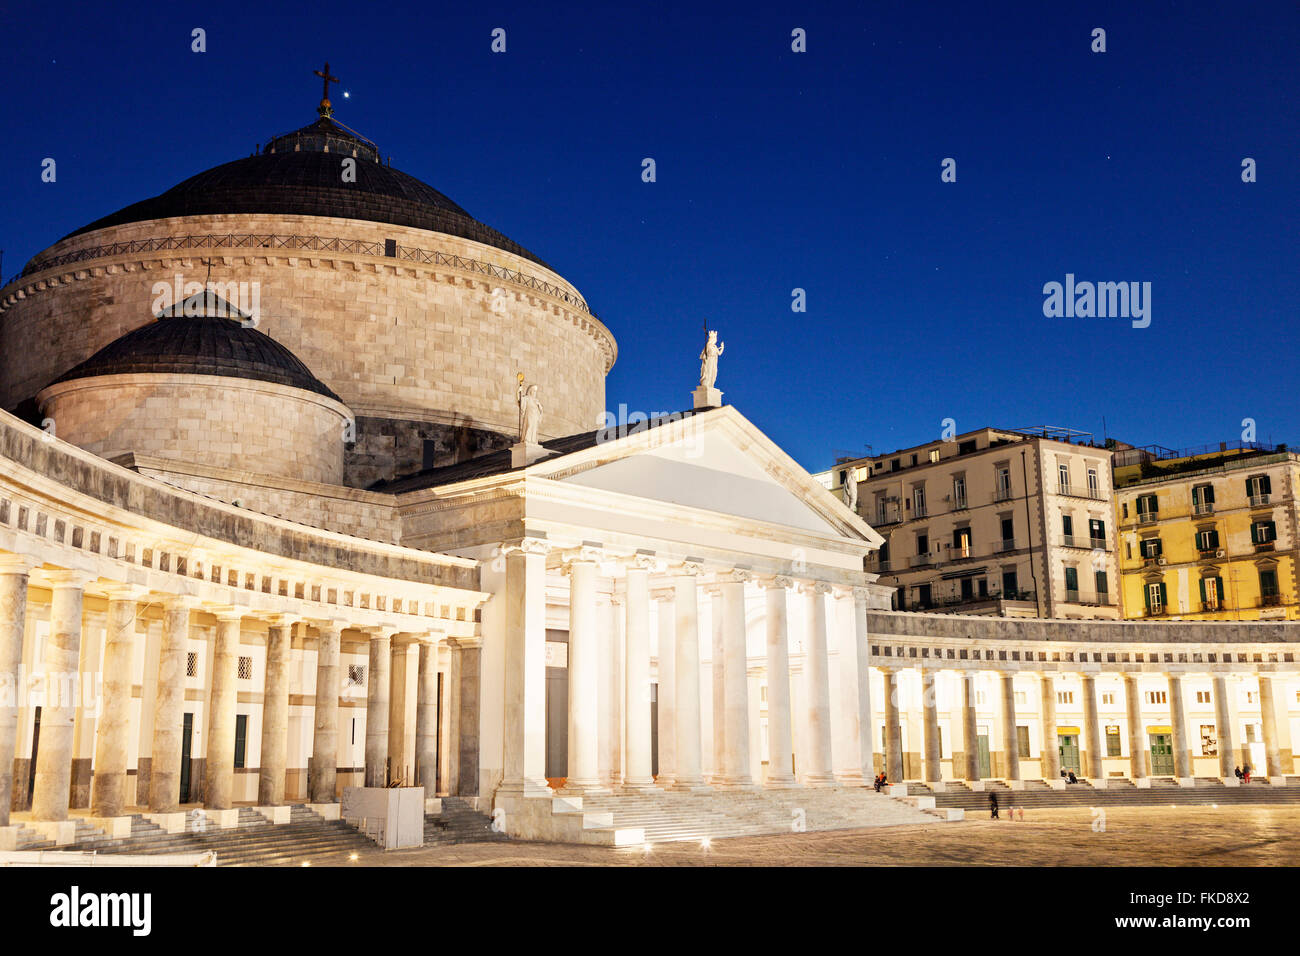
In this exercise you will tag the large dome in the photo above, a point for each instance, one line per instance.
(301, 173)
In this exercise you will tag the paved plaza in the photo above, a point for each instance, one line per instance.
(1133, 836)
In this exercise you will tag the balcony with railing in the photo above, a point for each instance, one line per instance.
(1002, 494)
(1258, 501)
(920, 560)
(1006, 544)
(1148, 517)
(1072, 492)
(1089, 598)
(1203, 508)
(1270, 600)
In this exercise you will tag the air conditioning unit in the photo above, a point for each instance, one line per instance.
(1220, 553)
(1162, 561)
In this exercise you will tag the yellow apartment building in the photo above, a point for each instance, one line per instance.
(1209, 535)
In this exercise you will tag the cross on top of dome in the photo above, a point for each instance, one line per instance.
(325, 109)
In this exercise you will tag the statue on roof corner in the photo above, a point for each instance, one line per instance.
(851, 491)
(709, 359)
(530, 411)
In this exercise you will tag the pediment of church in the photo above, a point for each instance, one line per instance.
(715, 461)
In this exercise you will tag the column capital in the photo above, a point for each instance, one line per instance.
(663, 594)
(17, 563)
(737, 575)
(229, 612)
(776, 581)
(641, 560)
(335, 624)
(178, 602)
(528, 544)
(690, 567)
(124, 592)
(815, 587)
(589, 552)
(67, 578)
(283, 620)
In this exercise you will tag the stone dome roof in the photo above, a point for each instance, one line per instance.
(210, 343)
(298, 173)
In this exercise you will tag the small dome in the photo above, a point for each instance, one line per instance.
(180, 342)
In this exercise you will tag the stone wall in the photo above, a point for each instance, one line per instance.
(213, 420)
(393, 338)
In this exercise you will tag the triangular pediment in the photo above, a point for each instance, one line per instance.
(716, 462)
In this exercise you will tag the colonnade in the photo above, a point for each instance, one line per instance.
(1273, 720)
(642, 581)
(390, 734)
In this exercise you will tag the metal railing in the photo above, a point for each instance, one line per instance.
(1006, 544)
(302, 243)
(1258, 500)
(1203, 508)
(1002, 494)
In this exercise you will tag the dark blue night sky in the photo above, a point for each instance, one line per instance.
(775, 170)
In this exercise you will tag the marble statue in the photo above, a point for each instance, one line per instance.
(530, 412)
(851, 491)
(709, 360)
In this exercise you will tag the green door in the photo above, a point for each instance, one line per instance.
(986, 767)
(1069, 750)
(1162, 755)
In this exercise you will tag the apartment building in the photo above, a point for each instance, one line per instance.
(1209, 533)
(1009, 522)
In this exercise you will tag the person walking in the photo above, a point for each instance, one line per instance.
(993, 805)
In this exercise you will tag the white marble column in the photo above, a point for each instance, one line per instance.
(53, 785)
(219, 761)
(818, 772)
(378, 689)
(1224, 727)
(857, 764)
(735, 769)
(1010, 737)
(637, 673)
(893, 727)
(717, 713)
(1050, 758)
(1178, 721)
(169, 707)
(780, 738)
(14, 570)
(113, 731)
(930, 708)
(525, 677)
(667, 687)
(1274, 717)
(584, 739)
(969, 725)
(426, 719)
(689, 770)
(324, 768)
(402, 706)
(273, 764)
(1136, 743)
(1096, 747)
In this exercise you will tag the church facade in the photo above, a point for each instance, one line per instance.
(256, 549)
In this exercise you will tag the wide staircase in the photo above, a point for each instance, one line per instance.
(668, 816)
(1118, 792)
(254, 842)
(458, 822)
